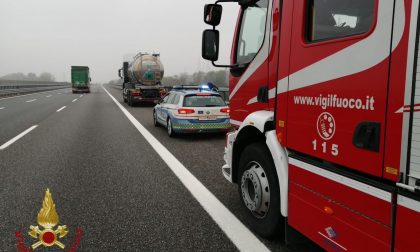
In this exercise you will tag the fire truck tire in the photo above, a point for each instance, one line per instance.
(259, 190)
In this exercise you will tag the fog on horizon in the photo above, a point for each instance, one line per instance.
(50, 35)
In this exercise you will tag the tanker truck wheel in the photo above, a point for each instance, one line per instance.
(259, 190)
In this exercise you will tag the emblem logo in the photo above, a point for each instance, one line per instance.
(48, 219)
(326, 126)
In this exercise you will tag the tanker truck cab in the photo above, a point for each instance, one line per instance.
(324, 97)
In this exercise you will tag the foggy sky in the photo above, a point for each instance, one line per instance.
(52, 35)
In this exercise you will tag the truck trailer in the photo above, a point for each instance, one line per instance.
(142, 79)
(80, 79)
(325, 98)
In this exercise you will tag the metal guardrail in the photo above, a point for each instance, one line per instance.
(12, 88)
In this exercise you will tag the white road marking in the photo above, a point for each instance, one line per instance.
(237, 232)
(61, 108)
(58, 93)
(74, 100)
(31, 100)
(2, 108)
(81, 96)
(48, 96)
(11, 141)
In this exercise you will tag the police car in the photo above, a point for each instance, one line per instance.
(192, 110)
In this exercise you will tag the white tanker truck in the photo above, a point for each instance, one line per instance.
(142, 79)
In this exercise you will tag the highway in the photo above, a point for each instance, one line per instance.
(115, 175)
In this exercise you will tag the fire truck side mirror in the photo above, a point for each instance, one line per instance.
(210, 45)
(212, 14)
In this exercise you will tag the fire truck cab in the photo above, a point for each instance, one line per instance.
(325, 98)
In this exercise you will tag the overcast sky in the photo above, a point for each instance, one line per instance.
(52, 35)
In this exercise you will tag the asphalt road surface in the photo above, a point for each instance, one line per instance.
(115, 176)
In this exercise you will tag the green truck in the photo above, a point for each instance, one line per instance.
(80, 79)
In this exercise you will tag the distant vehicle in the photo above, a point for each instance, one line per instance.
(224, 93)
(142, 79)
(80, 79)
(192, 111)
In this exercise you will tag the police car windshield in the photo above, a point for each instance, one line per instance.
(204, 101)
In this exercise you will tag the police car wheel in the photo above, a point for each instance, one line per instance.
(169, 128)
(130, 101)
(155, 119)
(259, 190)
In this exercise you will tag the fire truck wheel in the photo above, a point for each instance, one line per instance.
(259, 190)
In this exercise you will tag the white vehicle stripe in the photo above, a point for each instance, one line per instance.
(364, 188)
(239, 234)
(331, 240)
(262, 55)
(409, 203)
(271, 95)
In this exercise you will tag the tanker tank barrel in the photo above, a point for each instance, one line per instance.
(145, 69)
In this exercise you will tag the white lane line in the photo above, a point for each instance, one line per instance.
(237, 232)
(58, 93)
(48, 96)
(81, 96)
(2, 108)
(11, 141)
(31, 100)
(61, 108)
(74, 100)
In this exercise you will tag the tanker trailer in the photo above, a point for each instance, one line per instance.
(142, 79)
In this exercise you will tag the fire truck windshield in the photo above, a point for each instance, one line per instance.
(252, 31)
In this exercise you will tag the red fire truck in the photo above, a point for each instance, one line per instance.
(326, 101)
